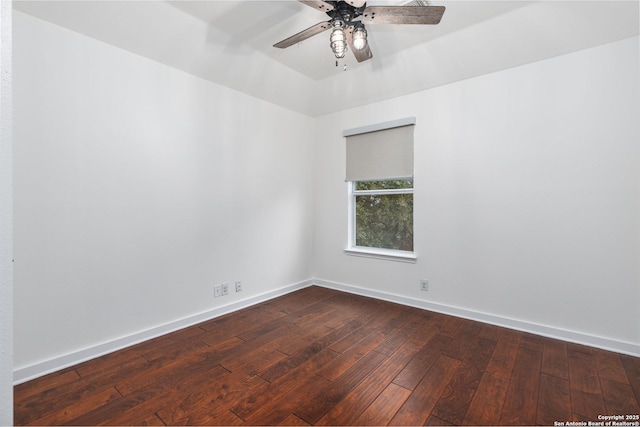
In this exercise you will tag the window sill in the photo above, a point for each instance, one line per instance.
(389, 255)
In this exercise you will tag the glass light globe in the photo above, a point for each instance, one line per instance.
(359, 38)
(338, 42)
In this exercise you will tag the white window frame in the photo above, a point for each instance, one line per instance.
(379, 253)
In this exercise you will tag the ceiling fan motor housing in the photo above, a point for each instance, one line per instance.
(344, 11)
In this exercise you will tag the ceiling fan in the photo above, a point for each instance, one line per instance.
(348, 18)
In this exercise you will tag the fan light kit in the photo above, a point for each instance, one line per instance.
(347, 22)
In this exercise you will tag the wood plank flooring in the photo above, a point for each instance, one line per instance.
(322, 357)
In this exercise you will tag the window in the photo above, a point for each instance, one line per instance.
(382, 214)
(380, 181)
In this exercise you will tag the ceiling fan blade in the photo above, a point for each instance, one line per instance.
(322, 6)
(361, 55)
(303, 35)
(356, 3)
(403, 14)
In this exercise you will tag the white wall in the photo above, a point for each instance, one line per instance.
(138, 187)
(527, 195)
(6, 219)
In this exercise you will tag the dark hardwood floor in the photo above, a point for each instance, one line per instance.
(323, 357)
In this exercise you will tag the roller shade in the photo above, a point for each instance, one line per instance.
(380, 154)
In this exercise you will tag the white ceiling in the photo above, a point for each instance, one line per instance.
(230, 43)
(260, 24)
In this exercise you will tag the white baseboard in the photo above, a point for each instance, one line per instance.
(546, 331)
(52, 365)
(39, 369)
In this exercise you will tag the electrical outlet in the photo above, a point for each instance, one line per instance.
(238, 286)
(217, 291)
(225, 289)
(424, 285)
